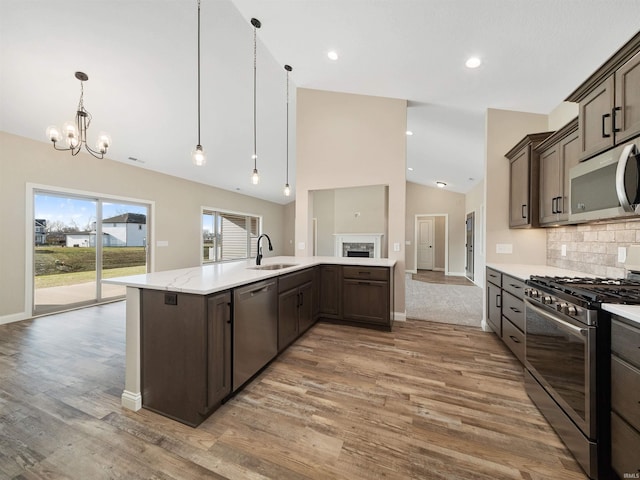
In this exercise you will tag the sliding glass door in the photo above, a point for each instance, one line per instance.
(78, 241)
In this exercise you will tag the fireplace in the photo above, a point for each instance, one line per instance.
(358, 244)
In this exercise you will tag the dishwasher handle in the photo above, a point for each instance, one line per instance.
(263, 288)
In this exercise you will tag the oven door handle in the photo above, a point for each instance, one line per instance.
(566, 326)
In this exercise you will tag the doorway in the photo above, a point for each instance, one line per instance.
(431, 250)
(78, 240)
(469, 238)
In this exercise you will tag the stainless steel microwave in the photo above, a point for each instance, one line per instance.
(606, 186)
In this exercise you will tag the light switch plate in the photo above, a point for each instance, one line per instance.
(396, 247)
(300, 245)
(563, 250)
(162, 243)
(504, 248)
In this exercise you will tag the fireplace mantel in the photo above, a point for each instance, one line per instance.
(373, 242)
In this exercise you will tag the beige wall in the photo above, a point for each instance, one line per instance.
(423, 200)
(324, 210)
(346, 140)
(504, 130)
(176, 218)
(561, 115)
(289, 222)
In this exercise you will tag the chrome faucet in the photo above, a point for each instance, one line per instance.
(259, 257)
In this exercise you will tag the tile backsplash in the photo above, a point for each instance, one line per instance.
(592, 248)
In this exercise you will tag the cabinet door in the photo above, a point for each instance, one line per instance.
(627, 115)
(519, 189)
(569, 158)
(494, 308)
(174, 354)
(594, 120)
(219, 348)
(288, 303)
(330, 281)
(366, 301)
(549, 184)
(306, 315)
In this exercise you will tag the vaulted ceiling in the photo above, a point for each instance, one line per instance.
(140, 56)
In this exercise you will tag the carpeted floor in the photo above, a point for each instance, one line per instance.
(455, 304)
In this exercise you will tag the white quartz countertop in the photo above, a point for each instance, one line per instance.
(217, 277)
(630, 312)
(524, 271)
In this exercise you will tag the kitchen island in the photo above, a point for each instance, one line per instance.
(365, 279)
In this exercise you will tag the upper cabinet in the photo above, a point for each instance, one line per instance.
(558, 153)
(609, 102)
(524, 183)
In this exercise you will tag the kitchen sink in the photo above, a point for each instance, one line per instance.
(273, 266)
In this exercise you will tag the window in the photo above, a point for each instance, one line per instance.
(228, 236)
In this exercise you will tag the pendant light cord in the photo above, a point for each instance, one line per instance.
(199, 73)
(287, 124)
(255, 150)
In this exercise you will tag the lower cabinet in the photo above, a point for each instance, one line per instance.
(185, 353)
(625, 398)
(505, 310)
(366, 295)
(295, 306)
(330, 304)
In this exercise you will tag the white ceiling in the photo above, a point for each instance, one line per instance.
(140, 56)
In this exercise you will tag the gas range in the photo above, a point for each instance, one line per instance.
(575, 296)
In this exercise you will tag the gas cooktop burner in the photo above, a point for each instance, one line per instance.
(596, 289)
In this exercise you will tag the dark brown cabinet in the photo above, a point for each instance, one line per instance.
(295, 306)
(330, 284)
(625, 397)
(494, 300)
(609, 102)
(524, 184)
(557, 154)
(186, 353)
(366, 295)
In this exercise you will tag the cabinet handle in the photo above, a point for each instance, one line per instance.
(230, 316)
(560, 206)
(301, 298)
(515, 310)
(364, 283)
(514, 285)
(498, 303)
(364, 273)
(554, 202)
(524, 214)
(604, 117)
(613, 118)
(514, 339)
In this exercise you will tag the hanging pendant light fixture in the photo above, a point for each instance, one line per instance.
(198, 156)
(75, 135)
(287, 188)
(255, 178)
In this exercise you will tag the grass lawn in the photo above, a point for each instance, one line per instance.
(56, 266)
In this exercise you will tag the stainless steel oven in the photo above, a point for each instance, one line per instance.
(560, 353)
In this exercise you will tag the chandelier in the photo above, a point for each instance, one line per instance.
(75, 134)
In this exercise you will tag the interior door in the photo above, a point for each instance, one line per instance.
(470, 234)
(425, 244)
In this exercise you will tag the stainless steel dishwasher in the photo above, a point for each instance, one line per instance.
(255, 329)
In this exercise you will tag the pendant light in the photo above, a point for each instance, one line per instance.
(75, 134)
(198, 156)
(287, 188)
(255, 178)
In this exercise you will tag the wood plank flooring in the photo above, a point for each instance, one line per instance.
(427, 401)
(431, 276)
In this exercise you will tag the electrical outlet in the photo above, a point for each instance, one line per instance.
(622, 254)
(504, 248)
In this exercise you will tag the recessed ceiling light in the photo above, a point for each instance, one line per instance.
(410, 169)
(409, 133)
(441, 184)
(332, 54)
(473, 62)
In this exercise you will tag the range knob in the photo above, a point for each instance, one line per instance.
(533, 293)
(547, 300)
(571, 310)
(562, 307)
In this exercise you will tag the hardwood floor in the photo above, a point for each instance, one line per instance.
(427, 401)
(431, 276)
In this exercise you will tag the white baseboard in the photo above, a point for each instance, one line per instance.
(131, 400)
(14, 317)
(400, 316)
(485, 326)
(411, 271)
(457, 274)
